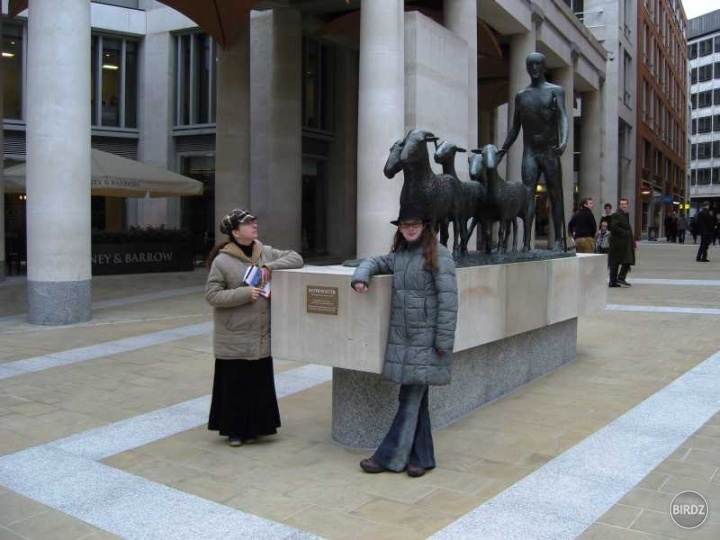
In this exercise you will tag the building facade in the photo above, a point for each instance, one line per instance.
(290, 110)
(662, 113)
(704, 55)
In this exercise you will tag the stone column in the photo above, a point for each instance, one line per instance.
(591, 177)
(521, 45)
(565, 78)
(381, 121)
(232, 133)
(156, 145)
(58, 162)
(461, 17)
(276, 124)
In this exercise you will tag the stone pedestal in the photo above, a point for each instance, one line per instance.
(364, 404)
(516, 322)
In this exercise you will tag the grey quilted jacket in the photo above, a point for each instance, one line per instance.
(423, 315)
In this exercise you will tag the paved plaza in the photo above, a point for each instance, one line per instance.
(102, 429)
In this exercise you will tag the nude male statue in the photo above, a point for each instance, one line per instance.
(540, 112)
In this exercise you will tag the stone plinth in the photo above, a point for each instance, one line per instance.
(516, 322)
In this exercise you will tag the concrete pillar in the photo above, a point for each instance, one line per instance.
(232, 134)
(461, 17)
(565, 78)
(381, 121)
(58, 162)
(276, 124)
(590, 176)
(156, 118)
(521, 45)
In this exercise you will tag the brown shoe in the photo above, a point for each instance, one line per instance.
(415, 471)
(371, 466)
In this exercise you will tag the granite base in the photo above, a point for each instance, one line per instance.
(364, 404)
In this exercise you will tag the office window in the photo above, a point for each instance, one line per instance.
(317, 85)
(716, 123)
(704, 124)
(716, 175)
(716, 148)
(706, 47)
(694, 126)
(693, 75)
(12, 66)
(717, 44)
(114, 80)
(705, 73)
(704, 99)
(693, 151)
(716, 96)
(717, 70)
(195, 79)
(703, 177)
(704, 150)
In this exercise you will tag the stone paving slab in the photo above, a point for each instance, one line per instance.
(301, 479)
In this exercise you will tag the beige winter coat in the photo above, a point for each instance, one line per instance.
(242, 326)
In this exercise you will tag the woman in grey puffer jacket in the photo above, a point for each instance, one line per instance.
(420, 342)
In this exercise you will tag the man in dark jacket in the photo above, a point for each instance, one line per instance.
(705, 224)
(622, 246)
(583, 227)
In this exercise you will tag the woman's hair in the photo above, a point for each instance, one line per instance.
(214, 252)
(429, 243)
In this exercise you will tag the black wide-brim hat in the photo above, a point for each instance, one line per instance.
(412, 212)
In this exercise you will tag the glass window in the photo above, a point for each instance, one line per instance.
(12, 62)
(195, 79)
(114, 81)
(717, 44)
(717, 70)
(111, 77)
(693, 151)
(716, 148)
(716, 96)
(706, 47)
(317, 85)
(693, 75)
(131, 83)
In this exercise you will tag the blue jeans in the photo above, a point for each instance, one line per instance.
(409, 441)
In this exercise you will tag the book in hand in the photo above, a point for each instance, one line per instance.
(253, 278)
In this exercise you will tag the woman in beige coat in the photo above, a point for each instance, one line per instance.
(244, 405)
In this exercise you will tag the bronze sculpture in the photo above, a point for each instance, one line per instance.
(540, 112)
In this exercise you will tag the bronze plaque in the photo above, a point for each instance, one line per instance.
(323, 300)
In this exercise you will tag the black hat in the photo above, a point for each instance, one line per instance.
(411, 211)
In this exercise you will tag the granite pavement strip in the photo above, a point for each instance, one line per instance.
(299, 478)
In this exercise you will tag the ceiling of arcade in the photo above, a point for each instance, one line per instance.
(339, 21)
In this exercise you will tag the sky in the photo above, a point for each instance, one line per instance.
(695, 8)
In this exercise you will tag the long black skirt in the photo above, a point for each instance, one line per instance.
(244, 403)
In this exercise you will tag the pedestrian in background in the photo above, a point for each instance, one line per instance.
(682, 224)
(607, 212)
(602, 239)
(244, 405)
(622, 246)
(705, 223)
(582, 227)
(420, 343)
